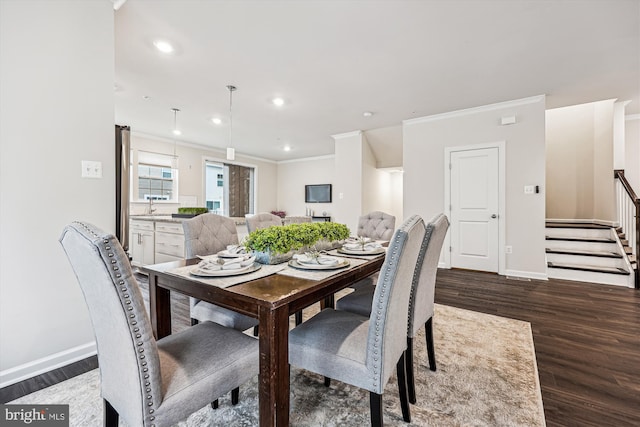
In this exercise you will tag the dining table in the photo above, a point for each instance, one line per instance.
(271, 299)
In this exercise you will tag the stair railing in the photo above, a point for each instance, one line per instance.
(628, 206)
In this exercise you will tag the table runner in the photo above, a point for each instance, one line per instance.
(318, 274)
(226, 281)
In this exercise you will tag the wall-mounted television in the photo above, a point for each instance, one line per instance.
(318, 193)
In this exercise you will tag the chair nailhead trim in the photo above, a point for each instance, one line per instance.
(125, 299)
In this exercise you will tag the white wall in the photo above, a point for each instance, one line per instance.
(632, 151)
(376, 184)
(191, 175)
(580, 162)
(295, 174)
(56, 109)
(348, 179)
(423, 161)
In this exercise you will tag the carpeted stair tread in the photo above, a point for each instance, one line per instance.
(576, 225)
(603, 254)
(581, 239)
(590, 268)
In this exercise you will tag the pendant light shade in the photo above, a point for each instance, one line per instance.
(231, 152)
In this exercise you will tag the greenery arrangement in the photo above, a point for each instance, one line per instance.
(192, 211)
(293, 237)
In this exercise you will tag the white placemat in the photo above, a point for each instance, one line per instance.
(318, 274)
(226, 281)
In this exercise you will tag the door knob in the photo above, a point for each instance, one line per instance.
(494, 216)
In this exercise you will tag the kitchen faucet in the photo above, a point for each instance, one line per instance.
(151, 209)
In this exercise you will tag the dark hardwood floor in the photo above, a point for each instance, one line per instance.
(587, 341)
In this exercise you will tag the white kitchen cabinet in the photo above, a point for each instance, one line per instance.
(142, 242)
(169, 244)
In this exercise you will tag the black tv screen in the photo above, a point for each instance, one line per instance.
(319, 193)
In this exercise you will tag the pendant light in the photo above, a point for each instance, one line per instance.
(231, 152)
(176, 132)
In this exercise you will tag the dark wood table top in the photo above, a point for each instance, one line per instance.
(271, 291)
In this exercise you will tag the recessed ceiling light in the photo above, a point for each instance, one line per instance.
(367, 114)
(216, 121)
(287, 148)
(278, 101)
(163, 46)
(177, 132)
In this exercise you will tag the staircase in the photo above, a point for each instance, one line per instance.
(588, 253)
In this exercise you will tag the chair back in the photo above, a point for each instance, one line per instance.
(208, 234)
(376, 225)
(421, 306)
(390, 307)
(295, 219)
(127, 351)
(262, 220)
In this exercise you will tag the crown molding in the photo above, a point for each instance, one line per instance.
(474, 110)
(347, 134)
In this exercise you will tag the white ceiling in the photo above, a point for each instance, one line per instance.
(333, 60)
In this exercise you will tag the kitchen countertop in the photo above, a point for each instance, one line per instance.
(169, 218)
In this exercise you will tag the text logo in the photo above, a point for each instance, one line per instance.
(34, 415)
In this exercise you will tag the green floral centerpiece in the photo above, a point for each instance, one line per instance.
(277, 244)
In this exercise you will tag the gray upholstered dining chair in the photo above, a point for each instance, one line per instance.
(144, 381)
(376, 225)
(208, 234)
(262, 220)
(421, 307)
(360, 350)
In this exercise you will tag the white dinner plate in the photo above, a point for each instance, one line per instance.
(223, 273)
(225, 254)
(376, 251)
(342, 264)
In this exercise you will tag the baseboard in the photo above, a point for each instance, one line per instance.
(585, 221)
(526, 274)
(46, 364)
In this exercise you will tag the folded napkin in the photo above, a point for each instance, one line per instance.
(235, 249)
(367, 247)
(319, 260)
(216, 264)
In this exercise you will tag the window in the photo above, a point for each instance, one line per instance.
(229, 189)
(157, 179)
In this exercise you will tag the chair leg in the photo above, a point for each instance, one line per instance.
(214, 404)
(431, 351)
(411, 384)
(402, 388)
(110, 415)
(235, 396)
(194, 321)
(375, 402)
(298, 317)
(256, 330)
(327, 381)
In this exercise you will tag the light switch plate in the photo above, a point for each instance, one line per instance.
(529, 189)
(91, 169)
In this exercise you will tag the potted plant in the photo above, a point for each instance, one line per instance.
(276, 244)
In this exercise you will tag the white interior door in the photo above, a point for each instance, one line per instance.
(474, 178)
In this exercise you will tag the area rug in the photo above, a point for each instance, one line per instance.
(487, 376)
